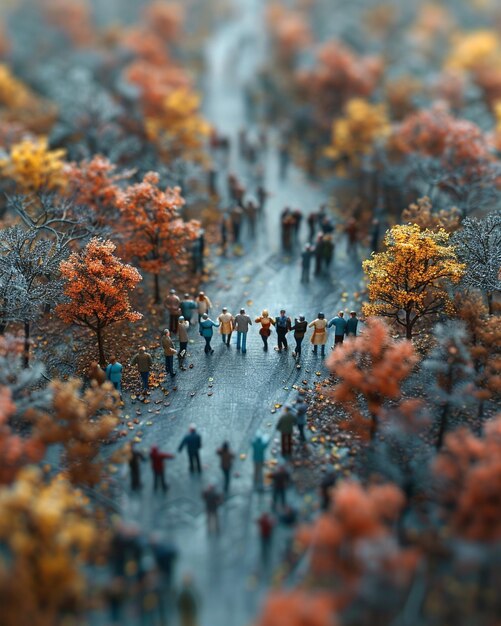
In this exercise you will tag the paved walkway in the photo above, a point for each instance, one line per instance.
(229, 395)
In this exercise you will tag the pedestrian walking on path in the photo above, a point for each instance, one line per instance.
(266, 524)
(306, 256)
(143, 361)
(280, 480)
(285, 427)
(327, 252)
(226, 457)
(96, 373)
(259, 445)
(188, 603)
(182, 334)
(226, 322)
(114, 373)
(206, 329)
(242, 323)
(339, 324)
(265, 331)
(213, 500)
(300, 408)
(192, 442)
(204, 305)
(172, 303)
(319, 336)
(352, 325)
(135, 459)
(283, 325)
(158, 467)
(169, 352)
(188, 306)
(300, 327)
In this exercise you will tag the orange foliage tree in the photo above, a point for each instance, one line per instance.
(371, 366)
(97, 289)
(468, 472)
(95, 183)
(154, 232)
(354, 540)
(421, 213)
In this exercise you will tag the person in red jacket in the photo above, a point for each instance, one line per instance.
(265, 523)
(158, 467)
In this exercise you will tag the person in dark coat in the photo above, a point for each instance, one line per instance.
(301, 407)
(158, 467)
(282, 325)
(319, 255)
(299, 328)
(352, 325)
(135, 459)
(192, 442)
(188, 306)
(280, 480)
(226, 457)
(327, 251)
(285, 427)
(213, 501)
(306, 256)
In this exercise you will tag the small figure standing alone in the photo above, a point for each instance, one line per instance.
(259, 445)
(285, 427)
(213, 501)
(319, 337)
(226, 457)
(158, 467)
(135, 459)
(143, 361)
(192, 442)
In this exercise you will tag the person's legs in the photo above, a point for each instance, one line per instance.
(145, 377)
(283, 497)
(301, 432)
(298, 346)
(284, 444)
(244, 343)
(226, 474)
(239, 339)
(315, 349)
(228, 339)
(288, 444)
(169, 365)
(192, 465)
(265, 342)
(156, 481)
(258, 475)
(207, 348)
(322, 350)
(197, 461)
(284, 341)
(223, 337)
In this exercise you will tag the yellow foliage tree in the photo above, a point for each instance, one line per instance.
(46, 536)
(13, 93)
(409, 279)
(179, 127)
(355, 134)
(34, 167)
(471, 51)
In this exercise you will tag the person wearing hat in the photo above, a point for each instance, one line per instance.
(187, 306)
(172, 303)
(204, 305)
(206, 329)
(182, 334)
(242, 323)
(169, 352)
(192, 442)
(319, 336)
(300, 327)
(226, 322)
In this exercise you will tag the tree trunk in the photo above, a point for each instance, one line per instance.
(408, 325)
(156, 292)
(443, 426)
(26, 353)
(490, 302)
(102, 358)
